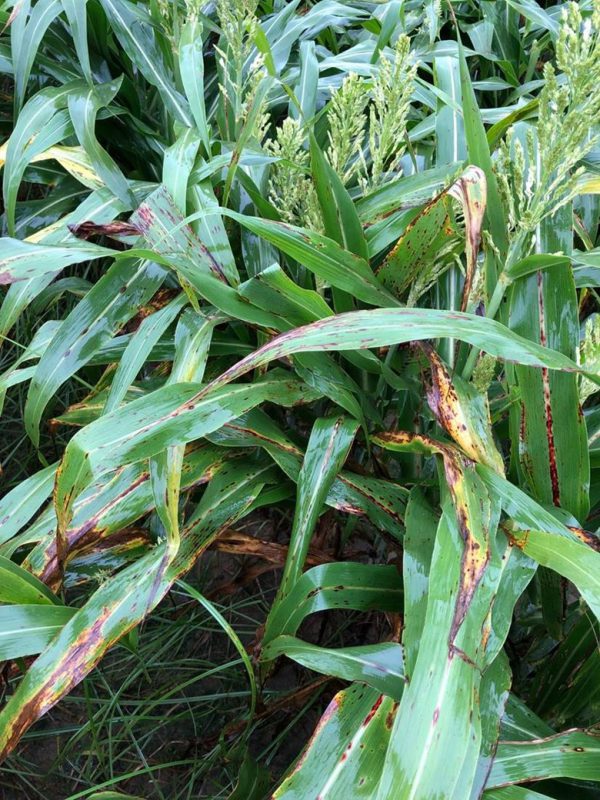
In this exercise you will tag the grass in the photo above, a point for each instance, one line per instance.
(155, 715)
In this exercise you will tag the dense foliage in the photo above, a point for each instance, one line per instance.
(338, 260)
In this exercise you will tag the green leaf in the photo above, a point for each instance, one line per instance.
(514, 793)
(133, 28)
(114, 299)
(572, 558)
(307, 86)
(323, 256)
(191, 70)
(178, 164)
(75, 11)
(233, 637)
(210, 229)
(19, 505)
(449, 124)
(378, 665)
(535, 263)
(25, 630)
(26, 39)
(330, 441)
(494, 692)
(328, 447)
(100, 206)
(419, 540)
(84, 105)
(19, 586)
(340, 219)
(479, 154)
(572, 754)
(562, 685)
(253, 781)
(34, 131)
(532, 11)
(138, 349)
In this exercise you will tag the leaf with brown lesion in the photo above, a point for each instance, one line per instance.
(470, 190)
(120, 603)
(111, 505)
(471, 505)
(463, 412)
(430, 243)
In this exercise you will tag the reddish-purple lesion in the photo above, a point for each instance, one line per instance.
(552, 460)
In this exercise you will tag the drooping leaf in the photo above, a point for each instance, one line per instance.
(24, 261)
(174, 414)
(378, 665)
(573, 754)
(119, 604)
(114, 299)
(330, 441)
(348, 585)
(382, 327)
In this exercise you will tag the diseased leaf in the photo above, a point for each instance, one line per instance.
(548, 423)
(114, 299)
(119, 604)
(345, 755)
(464, 414)
(175, 414)
(431, 235)
(439, 704)
(24, 261)
(573, 754)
